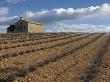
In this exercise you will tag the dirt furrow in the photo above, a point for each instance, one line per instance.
(92, 71)
(103, 74)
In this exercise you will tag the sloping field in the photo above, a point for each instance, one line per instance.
(55, 57)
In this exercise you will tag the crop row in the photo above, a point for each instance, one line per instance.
(34, 49)
(39, 46)
(104, 74)
(28, 35)
(94, 68)
(37, 41)
(13, 40)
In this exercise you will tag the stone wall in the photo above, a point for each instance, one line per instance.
(35, 28)
(21, 26)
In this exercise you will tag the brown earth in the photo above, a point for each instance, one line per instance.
(55, 57)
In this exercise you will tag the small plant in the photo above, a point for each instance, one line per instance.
(14, 54)
(18, 45)
(33, 50)
(23, 72)
(28, 51)
(6, 47)
(59, 56)
(13, 47)
(1, 58)
(6, 55)
(54, 59)
(40, 64)
(11, 78)
(42, 49)
(46, 62)
(21, 52)
(4, 42)
(1, 48)
(32, 68)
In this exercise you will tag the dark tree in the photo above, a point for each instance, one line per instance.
(11, 29)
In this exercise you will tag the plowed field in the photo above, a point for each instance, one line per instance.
(55, 57)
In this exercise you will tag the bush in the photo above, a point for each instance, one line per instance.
(32, 68)
(6, 47)
(1, 48)
(1, 58)
(53, 59)
(21, 52)
(46, 62)
(23, 72)
(60, 56)
(13, 54)
(41, 48)
(33, 50)
(4, 42)
(13, 47)
(28, 51)
(40, 64)
(6, 55)
(18, 45)
(11, 77)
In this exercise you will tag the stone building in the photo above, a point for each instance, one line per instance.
(28, 26)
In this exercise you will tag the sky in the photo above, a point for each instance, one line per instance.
(58, 15)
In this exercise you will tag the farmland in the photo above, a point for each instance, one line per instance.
(55, 57)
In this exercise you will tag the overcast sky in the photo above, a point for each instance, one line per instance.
(58, 15)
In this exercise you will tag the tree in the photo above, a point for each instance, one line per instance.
(11, 29)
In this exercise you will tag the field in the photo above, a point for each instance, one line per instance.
(55, 57)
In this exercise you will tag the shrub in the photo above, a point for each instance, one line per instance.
(4, 42)
(59, 56)
(6, 55)
(6, 47)
(18, 45)
(33, 50)
(33, 68)
(28, 51)
(53, 59)
(1, 48)
(1, 58)
(21, 52)
(46, 61)
(13, 47)
(14, 54)
(23, 72)
(40, 64)
(41, 48)
(11, 77)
